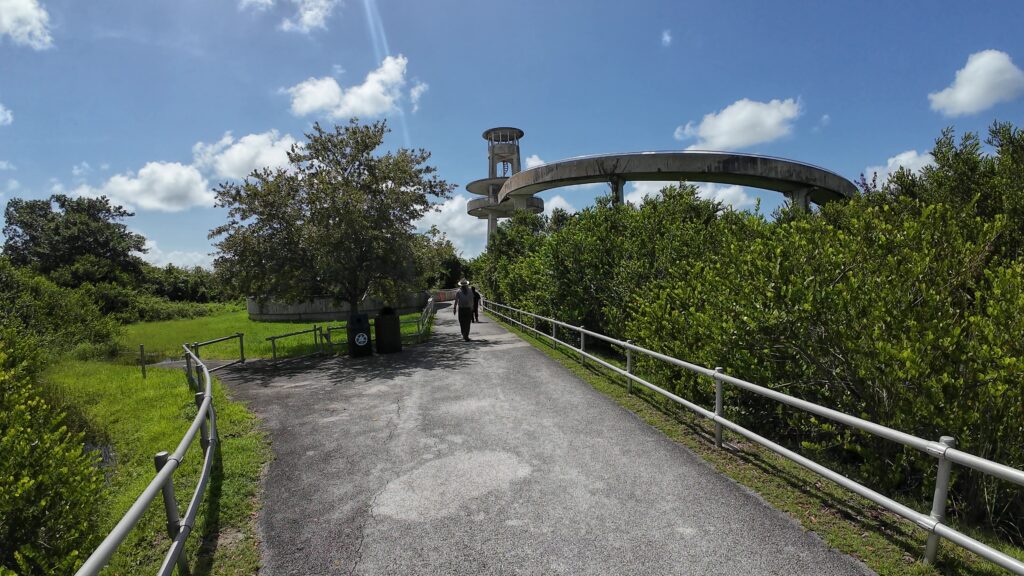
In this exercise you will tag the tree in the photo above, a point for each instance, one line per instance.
(337, 222)
(72, 240)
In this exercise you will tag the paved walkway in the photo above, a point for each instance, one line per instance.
(487, 457)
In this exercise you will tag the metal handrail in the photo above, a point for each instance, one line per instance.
(424, 319)
(942, 450)
(204, 424)
(196, 346)
(318, 341)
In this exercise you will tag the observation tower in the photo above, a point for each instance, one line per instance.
(503, 161)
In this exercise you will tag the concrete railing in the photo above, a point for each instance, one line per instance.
(178, 528)
(943, 449)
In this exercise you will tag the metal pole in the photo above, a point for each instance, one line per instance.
(241, 347)
(273, 350)
(718, 406)
(583, 341)
(554, 331)
(170, 507)
(204, 429)
(142, 359)
(188, 370)
(939, 499)
(629, 368)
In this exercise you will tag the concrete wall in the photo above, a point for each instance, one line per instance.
(323, 309)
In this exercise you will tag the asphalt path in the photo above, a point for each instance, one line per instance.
(488, 457)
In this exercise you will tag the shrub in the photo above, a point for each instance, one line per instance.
(49, 486)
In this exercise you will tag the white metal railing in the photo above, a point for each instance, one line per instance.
(943, 450)
(178, 528)
(424, 320)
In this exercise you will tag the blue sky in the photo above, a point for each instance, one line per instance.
(154, 103)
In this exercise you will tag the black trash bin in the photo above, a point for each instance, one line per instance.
(388, 331)
(359, 335)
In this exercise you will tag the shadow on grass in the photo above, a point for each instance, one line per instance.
(210, 532)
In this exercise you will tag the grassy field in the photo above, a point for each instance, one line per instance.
(130, 420)
(163, 340)
(885, 542)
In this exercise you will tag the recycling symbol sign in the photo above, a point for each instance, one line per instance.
(362, 339)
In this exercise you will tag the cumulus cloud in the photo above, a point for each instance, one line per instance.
(5, 165)
(910, 160)
(6, 116)
(730, 195)
(532, 161)
(416, 93)
(742, 123)
(185, 259)
(467, 233)
(26, 22)
(309, 14)
(228, 158)
(558, 202)
(988, 78)
(161, 186)
(666, 38)
(377, 95)
(80, 170)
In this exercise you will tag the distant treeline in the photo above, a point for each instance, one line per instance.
(902, 306)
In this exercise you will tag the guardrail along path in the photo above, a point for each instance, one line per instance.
(487, 457)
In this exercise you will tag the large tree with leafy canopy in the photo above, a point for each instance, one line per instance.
(338, 221)
(72, 240)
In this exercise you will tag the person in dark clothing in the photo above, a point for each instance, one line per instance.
(463, 308)
(476, 303)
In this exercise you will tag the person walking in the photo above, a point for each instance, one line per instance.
(476, 303)
(463, 307)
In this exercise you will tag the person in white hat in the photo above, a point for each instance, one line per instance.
(463, 307)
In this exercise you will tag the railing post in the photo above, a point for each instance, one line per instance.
(142, 359)
(939, 499)
(241, 347)
(554, 331)
(718, 406)
(629, 368)
(273, 350)
(170, 507)
(188, 370)
(583, 340)
(204, 429)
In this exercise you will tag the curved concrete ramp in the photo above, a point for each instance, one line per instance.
(795, 179)
(487, 457)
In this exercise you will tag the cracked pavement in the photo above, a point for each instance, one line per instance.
(488, 457)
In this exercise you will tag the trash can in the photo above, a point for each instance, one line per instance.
(388, 331)
(358, 329)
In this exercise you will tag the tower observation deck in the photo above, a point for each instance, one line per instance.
(503, 160)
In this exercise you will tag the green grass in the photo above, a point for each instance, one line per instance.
(163, 340)
(132, 419)
(885, 542)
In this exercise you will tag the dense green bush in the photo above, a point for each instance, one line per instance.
(49, 485)
(901, 306)
(128, 305)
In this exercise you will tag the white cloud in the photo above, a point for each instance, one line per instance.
(186, 259)
(731, 195)
(309, 15)
(255, 4)
(666, 38)
(823, 123)
(416, 93)
(377, 95)
(742, 123)
(641, 189)
(910, 160)
(532, 161)
(988, 78)
(13, 185)
(228, 158)
(467, 233)
(80, 170)
(6, 116)
(5, 165)
(26, 22)
(162, 186)
(558, 202)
